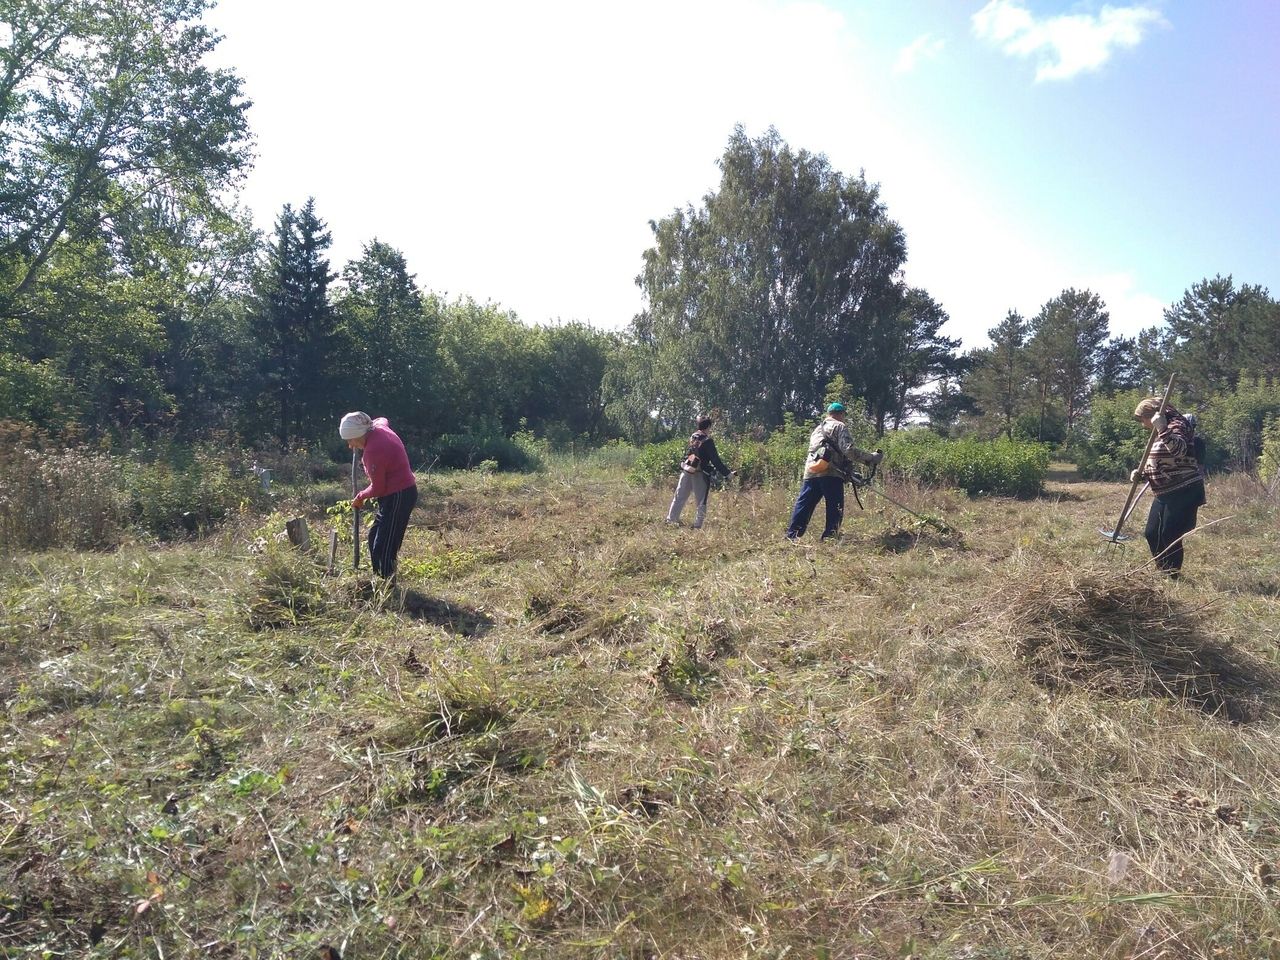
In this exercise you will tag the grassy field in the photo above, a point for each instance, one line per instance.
(581, 733)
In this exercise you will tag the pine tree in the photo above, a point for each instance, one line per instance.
(998, 383)
(1068, 334)
(294, 322)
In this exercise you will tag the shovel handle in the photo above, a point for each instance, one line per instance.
(355, 518)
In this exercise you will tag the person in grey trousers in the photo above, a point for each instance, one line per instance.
(700, 460)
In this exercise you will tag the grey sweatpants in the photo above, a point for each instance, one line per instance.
(690, 483)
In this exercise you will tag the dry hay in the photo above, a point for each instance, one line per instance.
(1128, 639)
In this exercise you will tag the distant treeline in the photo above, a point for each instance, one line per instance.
(137, 300)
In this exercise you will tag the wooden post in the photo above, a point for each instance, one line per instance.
(333, 551)
(299, 536)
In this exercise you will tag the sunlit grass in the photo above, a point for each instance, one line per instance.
(575, 731)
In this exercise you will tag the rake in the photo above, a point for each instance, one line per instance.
(1130, 501)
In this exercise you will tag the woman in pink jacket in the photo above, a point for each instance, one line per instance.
(391, 483)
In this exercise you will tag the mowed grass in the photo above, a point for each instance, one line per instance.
(582, 733)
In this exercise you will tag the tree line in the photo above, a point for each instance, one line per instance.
(137, 298)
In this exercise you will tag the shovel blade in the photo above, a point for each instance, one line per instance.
(1111, 535)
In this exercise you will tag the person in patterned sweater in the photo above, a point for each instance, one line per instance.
(1176, 482)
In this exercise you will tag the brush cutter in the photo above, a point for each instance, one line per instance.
(355, 517)
(859, 480)
(1129, 501)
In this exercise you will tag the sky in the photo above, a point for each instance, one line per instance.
(516, 151)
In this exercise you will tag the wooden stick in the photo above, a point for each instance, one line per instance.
(355, 518)
(1133, 487)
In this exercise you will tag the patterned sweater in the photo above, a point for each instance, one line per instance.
(1171, 464)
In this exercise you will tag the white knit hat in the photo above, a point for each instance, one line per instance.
(355, 425)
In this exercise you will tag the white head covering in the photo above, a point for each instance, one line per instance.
(355, 425)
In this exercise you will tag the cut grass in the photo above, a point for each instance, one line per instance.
(581, 733)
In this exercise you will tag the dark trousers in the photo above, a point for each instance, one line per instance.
(811, 491)
(1172, 516)
(387, 532)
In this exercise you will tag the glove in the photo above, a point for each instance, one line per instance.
(1134, 475)
(877, 456)
(1159, 423)
(357, 503)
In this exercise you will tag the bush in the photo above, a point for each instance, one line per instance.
(1232, 423)
(1009, 467)
(462, 451)
(190, 492)
(657, 463)
(1269, 462)
(1014, 468)
(60, 498)
(1112, 441)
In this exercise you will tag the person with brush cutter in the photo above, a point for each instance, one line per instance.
(700, 466)
(1176, 480)
(827, 468)
(391, 483)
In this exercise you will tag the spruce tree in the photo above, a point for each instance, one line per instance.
(294, 323)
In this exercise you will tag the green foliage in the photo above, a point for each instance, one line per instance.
(788, 256)
(105, 108)
(1065, 349)
(390, 339)
(1269, 462)
(1112, 440)
(33, 392)
(1232, 421)
(295, 324)
(1219, 331)
(463, 451)
(659, 463)
(190, 491)
(1004, 467)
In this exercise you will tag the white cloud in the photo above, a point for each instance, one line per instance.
(926, 47)
(1131, 309)
(1063, 46)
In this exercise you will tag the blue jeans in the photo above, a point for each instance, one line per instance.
(387, 532)
(811, 491)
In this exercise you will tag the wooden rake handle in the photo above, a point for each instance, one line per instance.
(1133, 487)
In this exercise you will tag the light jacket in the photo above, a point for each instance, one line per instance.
(836, 438)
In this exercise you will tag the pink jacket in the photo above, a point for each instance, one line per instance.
(386, 462)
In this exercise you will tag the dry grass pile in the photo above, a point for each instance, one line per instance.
(1128, 639)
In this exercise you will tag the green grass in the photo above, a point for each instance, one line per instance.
(581, 733)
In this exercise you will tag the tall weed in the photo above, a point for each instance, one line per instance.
(60, 498)
(1269, 462)
(193, 492)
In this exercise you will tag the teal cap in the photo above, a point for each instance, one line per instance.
(836, 407)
